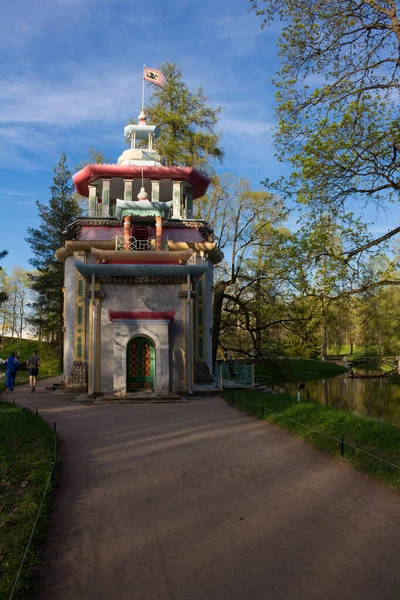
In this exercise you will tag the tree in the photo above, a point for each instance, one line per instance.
(246, 223)
(186, 121)
(337, 93)
(47, 282)
(3, 294)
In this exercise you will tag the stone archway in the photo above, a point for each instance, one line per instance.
(140, 364)
(157, 333)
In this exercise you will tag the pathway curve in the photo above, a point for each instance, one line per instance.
(198, 501)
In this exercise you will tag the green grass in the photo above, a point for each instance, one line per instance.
(26, 454)
(380, 439)
(48, 358)
(290, 370)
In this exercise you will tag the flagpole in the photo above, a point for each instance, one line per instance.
(144, 66)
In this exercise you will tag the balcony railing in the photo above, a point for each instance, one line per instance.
(132, 244)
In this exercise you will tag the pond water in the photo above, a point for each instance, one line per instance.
(376, 398)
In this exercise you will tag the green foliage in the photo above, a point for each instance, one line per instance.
(337, 97)
(186, 121)
(292, 370)
(63, 207)
(380, 439)
(26, 454)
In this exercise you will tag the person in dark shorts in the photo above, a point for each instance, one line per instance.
(33, 363)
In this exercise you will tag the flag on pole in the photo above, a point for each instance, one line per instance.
(154, 76)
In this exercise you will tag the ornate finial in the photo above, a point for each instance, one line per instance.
(142, 118)
(142, 195)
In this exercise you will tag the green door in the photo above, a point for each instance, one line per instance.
(140, 364)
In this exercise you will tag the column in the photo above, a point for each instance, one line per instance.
(189, 203)
(158, 233)
(128, 185)
(105, 197)
(177, 199)
(92, 201)
(155, 190)
(127, 232)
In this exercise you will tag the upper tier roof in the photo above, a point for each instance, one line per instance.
(90, 173)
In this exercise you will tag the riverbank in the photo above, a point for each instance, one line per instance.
(291, 370)
(309, 420)
(26, 455)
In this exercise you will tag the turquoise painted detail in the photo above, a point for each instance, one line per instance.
(79, 347)
(200, 317)
(200, 347)
(80, 287)
(80, 315)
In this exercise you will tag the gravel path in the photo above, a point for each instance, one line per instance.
(198, 501)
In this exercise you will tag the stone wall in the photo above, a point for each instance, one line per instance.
(168, 338)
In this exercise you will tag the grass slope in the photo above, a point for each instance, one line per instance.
(48, 357)
(291, 370)
(377, 438)
(26, 454)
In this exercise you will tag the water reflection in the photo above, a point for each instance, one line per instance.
(377, 398)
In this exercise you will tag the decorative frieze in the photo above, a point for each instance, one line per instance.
(140, 280)
(98, 294)
(184, 294)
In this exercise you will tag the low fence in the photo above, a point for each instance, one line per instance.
(261, 409)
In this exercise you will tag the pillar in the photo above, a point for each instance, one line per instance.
(105, 196)
(177, 199)
(189, 203)
(158, 233)
(92, 201)
(127, 232)
(128, 185)
(155, 190)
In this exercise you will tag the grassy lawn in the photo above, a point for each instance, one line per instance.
(26, 454)
(378, 438)
(48, 355)
(291, 370)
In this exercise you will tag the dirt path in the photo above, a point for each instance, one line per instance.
(198, 501)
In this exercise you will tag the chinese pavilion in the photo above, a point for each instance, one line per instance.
(138, 276)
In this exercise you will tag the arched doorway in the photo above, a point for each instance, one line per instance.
(140, 364)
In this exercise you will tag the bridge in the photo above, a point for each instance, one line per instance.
(390, 361)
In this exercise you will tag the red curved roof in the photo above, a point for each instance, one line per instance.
(92, 172)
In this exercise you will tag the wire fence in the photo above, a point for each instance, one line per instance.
(341, 441)
(48, 481)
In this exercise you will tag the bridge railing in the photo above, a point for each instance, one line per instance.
(234, 375)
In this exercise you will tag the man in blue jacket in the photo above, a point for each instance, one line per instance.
(11, 370)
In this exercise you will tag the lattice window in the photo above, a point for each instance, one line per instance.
(133, 360)
(146, 360)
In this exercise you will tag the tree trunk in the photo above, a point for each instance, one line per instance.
(323, 345)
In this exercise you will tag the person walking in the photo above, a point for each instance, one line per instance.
(33, 363)
(11, 370)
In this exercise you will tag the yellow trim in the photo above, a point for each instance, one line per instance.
(184, 289)
(80, 302)
(98, 338)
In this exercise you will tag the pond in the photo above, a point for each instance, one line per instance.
(376, 398)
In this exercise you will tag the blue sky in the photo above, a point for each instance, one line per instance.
(71, 78)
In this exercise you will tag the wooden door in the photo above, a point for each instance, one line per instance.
(140, 365)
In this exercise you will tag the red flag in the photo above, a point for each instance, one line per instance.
(154, 76)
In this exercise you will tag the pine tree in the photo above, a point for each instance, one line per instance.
(47, 282)
(186, 121)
